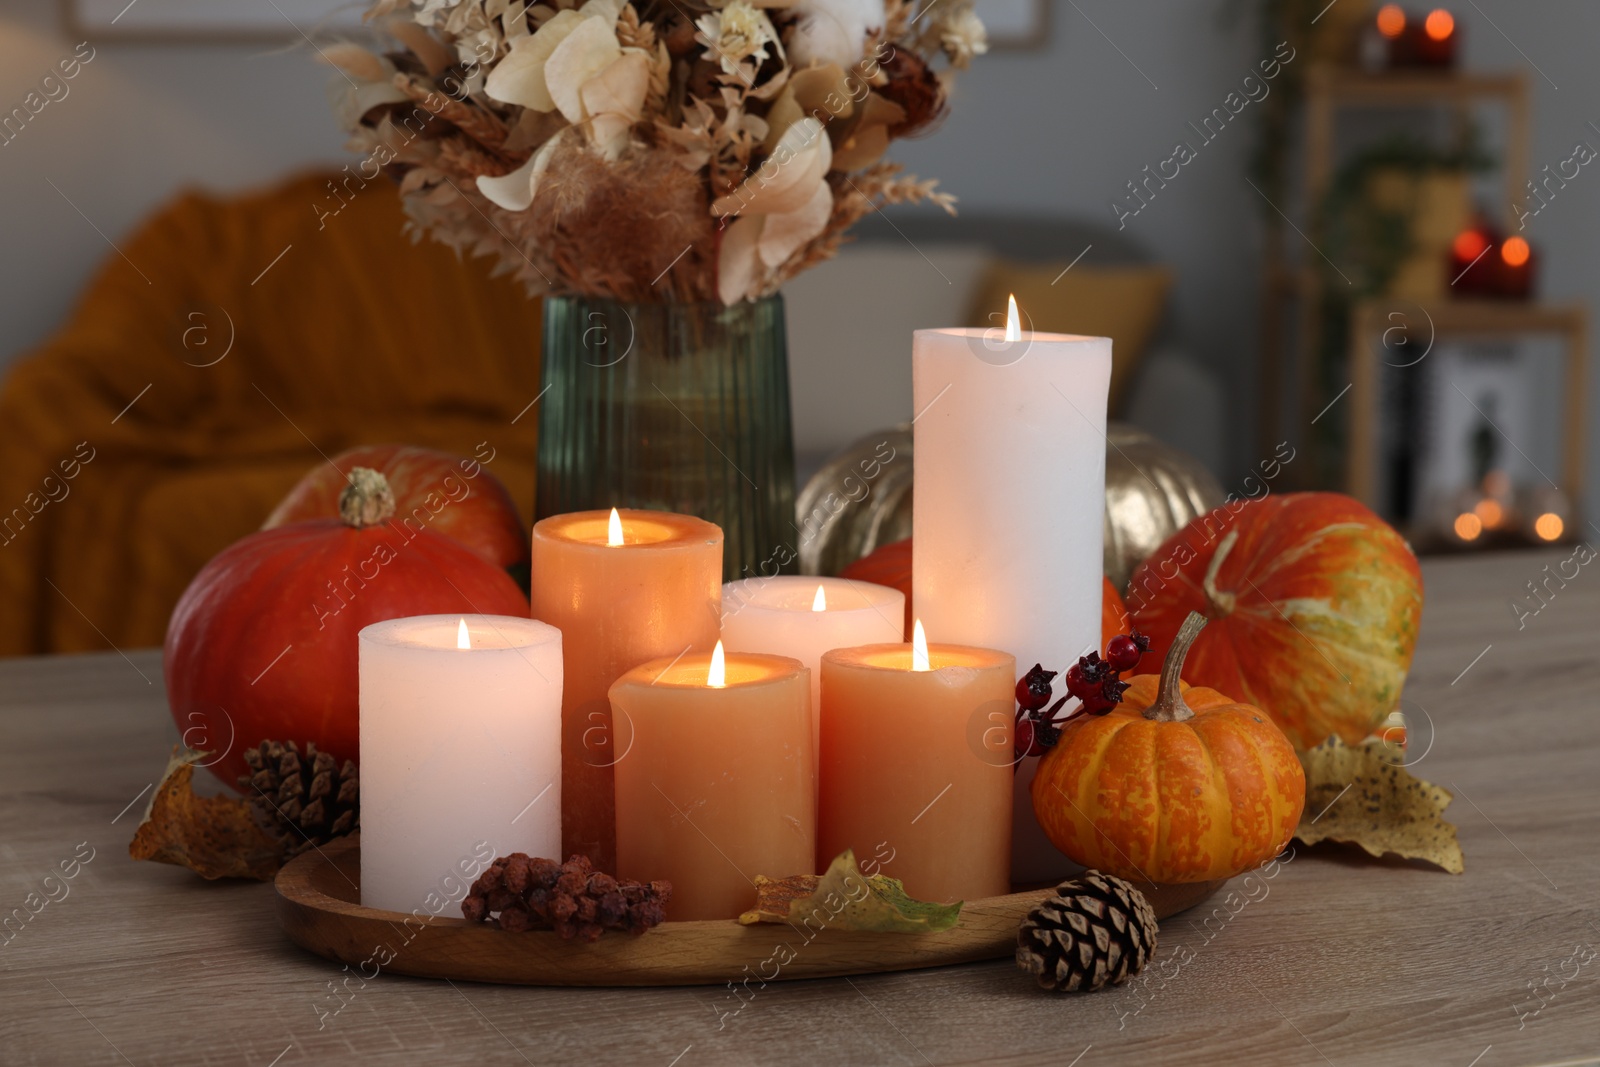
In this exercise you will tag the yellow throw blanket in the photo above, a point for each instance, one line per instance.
(233, 345)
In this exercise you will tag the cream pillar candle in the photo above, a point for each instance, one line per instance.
(623, 588)
(719, 784)
(916, 764)
(805, 617)
(1009, 506)
(460, 752)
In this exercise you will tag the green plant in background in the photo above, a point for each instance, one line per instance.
(1319, 32)
(1368, 238)
(1369, 223)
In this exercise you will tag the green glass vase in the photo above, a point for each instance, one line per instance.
(672, 407)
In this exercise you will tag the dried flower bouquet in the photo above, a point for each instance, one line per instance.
(687, 150)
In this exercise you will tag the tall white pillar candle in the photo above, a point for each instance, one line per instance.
(1010, 441)
(460, 753)
(803, 617)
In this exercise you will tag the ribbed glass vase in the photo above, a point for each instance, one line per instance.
(672, 407)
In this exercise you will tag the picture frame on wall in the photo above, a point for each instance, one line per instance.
(208, 21)
(1015, 23)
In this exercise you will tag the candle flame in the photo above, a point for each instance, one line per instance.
(463, 639)
(717, 676)
(919, 648)
(1013, 321)
(614, 532)
(821, 602)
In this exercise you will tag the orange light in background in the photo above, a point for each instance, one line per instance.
(1549, 526)
(1392, 20)
(1468, 526)
(1490, 512)
(1515, 251)
(1439, 24)
(1469, 244)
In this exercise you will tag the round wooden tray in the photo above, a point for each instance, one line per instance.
(318, 907)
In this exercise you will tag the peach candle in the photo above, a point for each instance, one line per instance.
(623, 588)
(916, 758)
(805, 617)
(719, 785)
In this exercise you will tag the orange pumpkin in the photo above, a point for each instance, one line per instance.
(1315, 604)
(1175, 784)
(456, 497)
(1114, 618)
(891, 566)
(888, 565)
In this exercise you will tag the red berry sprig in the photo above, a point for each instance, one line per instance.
(1094, 680)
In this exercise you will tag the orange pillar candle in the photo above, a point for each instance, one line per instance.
(719, 783)
(623, 588)
(916, 763)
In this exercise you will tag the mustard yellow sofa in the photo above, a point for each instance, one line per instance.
(232, 344)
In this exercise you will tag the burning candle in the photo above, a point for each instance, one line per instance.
(1009, 508)
(804, 617)
(916, 762)
(718, 785)
(623, 588)
(460, 752)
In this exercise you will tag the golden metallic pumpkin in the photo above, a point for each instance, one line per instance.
(861, 500)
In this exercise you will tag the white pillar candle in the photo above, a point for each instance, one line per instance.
(460, 753)
(803, 617)
(1010, 496)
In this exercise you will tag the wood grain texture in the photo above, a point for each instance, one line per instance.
(319, 908)
(1342, 959)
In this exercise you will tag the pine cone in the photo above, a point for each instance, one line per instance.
(1096, 930)
(572, 898)
(306, 800)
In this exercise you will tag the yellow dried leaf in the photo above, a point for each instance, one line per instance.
(846, 899)
(1363, 796)
(216, 837)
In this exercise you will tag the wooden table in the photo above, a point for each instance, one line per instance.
(1344, 961)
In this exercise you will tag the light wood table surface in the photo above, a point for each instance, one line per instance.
(1344, 961)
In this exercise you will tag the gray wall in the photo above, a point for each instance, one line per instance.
(1059, 130)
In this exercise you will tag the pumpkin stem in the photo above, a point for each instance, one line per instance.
(367, 500)
(1220, 601)
(1169, 705)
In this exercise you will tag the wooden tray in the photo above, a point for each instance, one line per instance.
(317, 906)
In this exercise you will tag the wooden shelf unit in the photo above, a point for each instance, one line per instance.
(1475, 318)
(1292, 281)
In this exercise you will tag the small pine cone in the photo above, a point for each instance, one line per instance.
(517, 892)
(1096, 930)
(306, 799)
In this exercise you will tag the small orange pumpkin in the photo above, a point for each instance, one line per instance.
(1175, 784)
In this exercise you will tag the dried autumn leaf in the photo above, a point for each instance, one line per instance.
(216, 837)
(1363, 796)
(846, 899)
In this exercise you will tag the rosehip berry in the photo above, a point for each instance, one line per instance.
(1026, 742)
(1033, 690)
(1122, 653)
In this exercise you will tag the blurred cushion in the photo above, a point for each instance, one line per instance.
(1122, 303)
